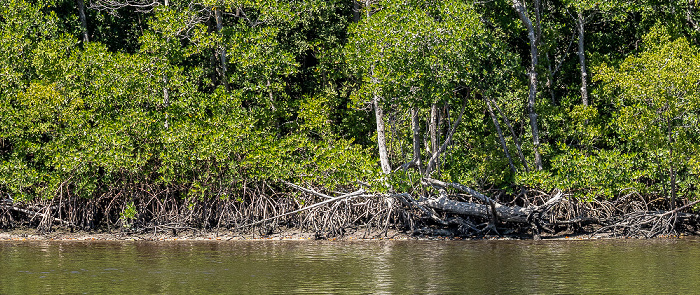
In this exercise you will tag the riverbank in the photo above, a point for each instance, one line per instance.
(462, 214)
(29, 234)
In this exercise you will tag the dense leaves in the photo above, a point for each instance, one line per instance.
(201, 98)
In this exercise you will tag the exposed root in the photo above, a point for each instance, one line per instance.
(440, 208)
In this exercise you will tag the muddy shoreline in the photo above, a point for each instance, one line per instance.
(31, 234)
(462, 214)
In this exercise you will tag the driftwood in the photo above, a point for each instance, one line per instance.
(504, 213)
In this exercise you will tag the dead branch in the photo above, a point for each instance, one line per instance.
(492, 210)
(34, 214)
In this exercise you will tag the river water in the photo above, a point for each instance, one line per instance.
(385, 267)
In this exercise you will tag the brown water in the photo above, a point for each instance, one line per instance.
(395, 267)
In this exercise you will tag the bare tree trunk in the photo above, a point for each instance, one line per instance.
(415, 125)
(381, 136)
(355, 10)
(503, 212)
(379, 118)
(500, 136)
(673, 187)
(533, 38)
(432, 129)
(580, 21)
(166, 94)
(432, 163)
(166, 99)
(671, 166)
(269, 94)
(552, 72)
(515, 138)
(222, 49)
(83, 20)
(689, 15)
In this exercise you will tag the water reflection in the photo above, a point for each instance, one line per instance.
(425, 267)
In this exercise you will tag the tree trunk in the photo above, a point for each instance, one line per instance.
(500, 135)
(533, 37)
(432, 129)
(222, 49)
(379, 118)
(166, 94)
(580, 21)
(83, 20)
(673, 187)
(381, 136)
(672, 169)
(689, 15)
(515, 138)
(166, 99)
(355, 10)
(416, 139)
(432, 163)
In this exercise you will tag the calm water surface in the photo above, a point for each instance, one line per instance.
(396, 267)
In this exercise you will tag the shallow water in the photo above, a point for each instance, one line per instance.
(396, 267)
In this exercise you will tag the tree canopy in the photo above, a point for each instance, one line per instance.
(202, 98)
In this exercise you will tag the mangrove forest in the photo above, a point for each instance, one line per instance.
(429, 117)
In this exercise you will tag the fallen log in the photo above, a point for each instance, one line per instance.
(408, 201)
(505, 213)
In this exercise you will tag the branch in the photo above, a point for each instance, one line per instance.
(515, 138)
(468, 190)
(431, 164)
(33, 213)
(310, 191)
(681, 208)
(345, 196)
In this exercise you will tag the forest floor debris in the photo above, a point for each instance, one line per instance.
(455, 212)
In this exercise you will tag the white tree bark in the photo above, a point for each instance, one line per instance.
(432, 163)
(379, 116)
(222, 49)
(381, 136)
(533, 36)
(580, 21)
(515, 138)
(504, 213)
(500, 136)
(432, 129)
(416, 139)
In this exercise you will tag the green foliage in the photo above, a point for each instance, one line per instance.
(419, 54)
(128, 215)
(93, 121)
(658, 100)
(151, 102)
(599, 174)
